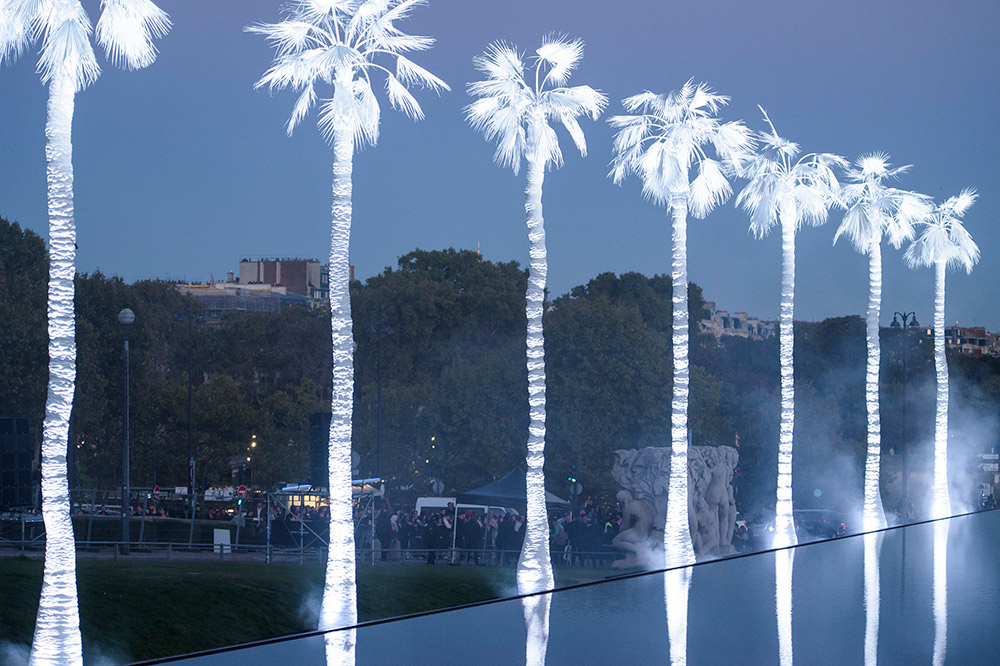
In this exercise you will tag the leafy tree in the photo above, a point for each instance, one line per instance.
(450, 368)
(23, 266)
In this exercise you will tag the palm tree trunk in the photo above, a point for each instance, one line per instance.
(57, 637)
(784, 563)
(941, 501)
(940, 591)
(784, 522)
(677, 534)
(536, 619)
(873, 516)
(676, 588)
(534, 569)
(340, 593)
(873, 548)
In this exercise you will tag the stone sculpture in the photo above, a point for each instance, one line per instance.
(644, 475)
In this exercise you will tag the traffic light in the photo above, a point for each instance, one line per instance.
(571, 479)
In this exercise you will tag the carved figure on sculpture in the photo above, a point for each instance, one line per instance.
(644, 475)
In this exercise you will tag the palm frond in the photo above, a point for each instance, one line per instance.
(353, 108)
(776, 142)
(401, 99)
(704, 101)
(812, 204)
(126, 31)
(302, 105)
(287, 37)
(859, 228)
(546, 144)
(506, 89)
(575, 132)
(410, 73)
(15, 30)
(966, 252)
(403, 43)
(562, 55)
(959, 205)
(66, 44)
(401, 10)
(517, 115)
(915, 208)
(320, 10)
(661, 171)
(337, 42)
(575, 101)
(292, 71)
(920, 253)
(338, 113)
(944, 238)
(367, 113)
(641, 102)
(709, 189)
(501, 61)
(663, 142)
(734, 142)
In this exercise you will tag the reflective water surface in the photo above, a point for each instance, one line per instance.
(930, 608)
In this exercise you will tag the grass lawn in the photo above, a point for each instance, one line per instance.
(132, 610)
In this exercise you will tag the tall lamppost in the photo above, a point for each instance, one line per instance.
(186, 316)
(905, 316)
(126, 318)
(378, 330)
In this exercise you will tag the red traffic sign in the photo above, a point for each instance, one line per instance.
(156, 492)
(242, 491)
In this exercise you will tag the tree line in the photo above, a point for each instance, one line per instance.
(454, 381)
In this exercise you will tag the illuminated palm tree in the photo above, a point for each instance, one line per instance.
(876, 211)
(943, 242)
(337, 43)
(661, 143)
(517, 111)
(790, 192)
(67, 64)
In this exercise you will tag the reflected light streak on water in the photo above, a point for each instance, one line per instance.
(676, 584)
(940, 590)
(536, 622)
(873, 547)
(339, 647)
(783, 561)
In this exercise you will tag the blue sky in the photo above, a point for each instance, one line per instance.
(183, 169)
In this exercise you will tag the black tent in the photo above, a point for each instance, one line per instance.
(510, 491)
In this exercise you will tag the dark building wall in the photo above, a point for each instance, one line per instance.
(293, 277)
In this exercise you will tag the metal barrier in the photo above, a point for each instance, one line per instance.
(171, 551)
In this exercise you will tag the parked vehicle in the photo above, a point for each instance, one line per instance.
(819, 523)
(810, 525)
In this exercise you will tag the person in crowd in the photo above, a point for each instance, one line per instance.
(383, 530)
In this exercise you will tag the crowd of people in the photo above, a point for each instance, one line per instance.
(581, 537)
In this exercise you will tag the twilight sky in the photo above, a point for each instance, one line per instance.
(183, 169)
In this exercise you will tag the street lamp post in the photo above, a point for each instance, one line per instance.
(377, 330)
(126, 318)
(186, 316)
(905, 316)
